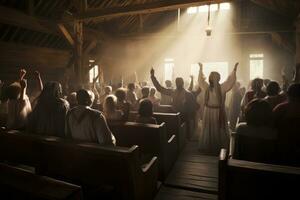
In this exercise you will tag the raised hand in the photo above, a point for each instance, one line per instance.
(22, 74)
(236, 66)
(152, 72)
(37, 74)
(200, 66)
(23, 83)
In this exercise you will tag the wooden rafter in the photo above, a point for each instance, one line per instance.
(19, 19)
(99, 14)
(66, 33)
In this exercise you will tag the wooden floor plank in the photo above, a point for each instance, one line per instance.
(194, 172)
(179, 194)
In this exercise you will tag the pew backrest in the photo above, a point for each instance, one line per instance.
(152, 140)
(88, 165)
(239, 179)
(16, 183)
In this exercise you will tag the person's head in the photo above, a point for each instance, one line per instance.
(120, 94)
(108, 90)
(294, 92)
(144, 83)
(85, 97)
(266, 82)
(119, 85)
(110, 103)
(131, 86)
(257, 84)
(168, 83)
(52, 91)
(179, 83)
(72, 99)
(13, 91)
(146, 108)
(152, 92)
(273, 88)
(145, 92)
(258, 113)
(214, 78)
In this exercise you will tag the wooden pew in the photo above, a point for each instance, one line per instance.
(17, 147)
(240, 179)
(103, 172)
(153, 141)
(16, 183)
(174, 125)
(253, 149)
(164, 109)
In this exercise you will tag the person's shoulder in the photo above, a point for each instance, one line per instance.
(281, 107)
(241, 127)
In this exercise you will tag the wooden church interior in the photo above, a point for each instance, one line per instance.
(99, 49)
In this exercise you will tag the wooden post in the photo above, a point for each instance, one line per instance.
(141, 21)
(78, 29)
(178, 19)
(78, 47)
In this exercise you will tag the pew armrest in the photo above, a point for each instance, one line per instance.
(149, 165)
(172, 138)
(149, 176)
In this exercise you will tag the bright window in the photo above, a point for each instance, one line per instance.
(214, 7)
(195, 70)
(169, 68)
(256, 66)
(224, 6)
(192, 10)
(205, 8)
(93, 73)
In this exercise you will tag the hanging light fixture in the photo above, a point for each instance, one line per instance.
(208, 29)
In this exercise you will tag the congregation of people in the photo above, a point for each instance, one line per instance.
(266, 110)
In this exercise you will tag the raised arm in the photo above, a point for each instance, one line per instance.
(201, 78)
(229, 83)
(39, 81)
(23, 83)
(158, 87)
(191, 84)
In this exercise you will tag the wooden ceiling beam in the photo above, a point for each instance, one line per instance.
(16, 54)
(100, 14)
(66, 33)
(20, 19)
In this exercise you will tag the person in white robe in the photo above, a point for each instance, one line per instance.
(215, 131)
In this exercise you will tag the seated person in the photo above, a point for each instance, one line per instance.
(122, 104)
(72, 100)
(110, 111)
(152, 97)
(146, 113)
(86, 124)
(287, 122)
(261, 137)
(48, 116)
(145, 93)
(131, 96)
(273, 94)
(255, 92)
(19, 106)
(107, 91)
